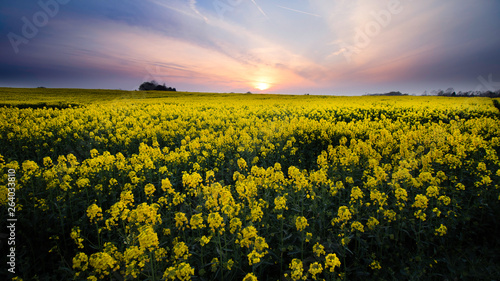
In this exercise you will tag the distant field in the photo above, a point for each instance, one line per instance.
(36, 96)
(124, 185)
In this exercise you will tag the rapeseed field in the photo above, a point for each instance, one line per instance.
(196, 186)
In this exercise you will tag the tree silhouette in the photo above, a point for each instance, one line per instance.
(154, 86)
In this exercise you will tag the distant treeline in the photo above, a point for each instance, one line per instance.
(450, 92)
(154, 86)
(393, 93)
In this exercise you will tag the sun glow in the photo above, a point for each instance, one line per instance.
(262, 86)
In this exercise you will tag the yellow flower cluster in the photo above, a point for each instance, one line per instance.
(297, 269)
(332, 261)
(215, 221)
(148, 239)
(441, 230)
(181, 251)
(301, 223)
(94, 212)
(75, 235)
(343, 215)
(318, 249)
(196, 221)
(183, 272)
(420, 201)
(103, 263)
(356, 225)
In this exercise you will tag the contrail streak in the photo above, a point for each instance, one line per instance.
(192, 5)
(260, 9)
(302, 12)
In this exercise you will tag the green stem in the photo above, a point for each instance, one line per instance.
(153, 267)
(302, 246)
(281, 247)
(201, 250)
(220, 256)
(98, 236)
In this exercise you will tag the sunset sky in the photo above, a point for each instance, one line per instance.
(285, 46)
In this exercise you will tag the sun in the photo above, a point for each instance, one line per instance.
(262, 86)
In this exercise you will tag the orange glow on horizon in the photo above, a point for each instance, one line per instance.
(262, 86)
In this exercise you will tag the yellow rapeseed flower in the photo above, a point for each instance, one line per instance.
(180, 220)
(204, 240)
(315, 268)
(356, 225)
(318, 249)
(461, 186)
(256, 213)
(441, 231)
(332, 261)
(197, 221)
(375, 265)
(80, 262)
(401, 194)
(149, 189)
(242, 164)
(389, 215)
(127, 198)
(234, 225)
(301, 223)
(215, 264)
(250, 277)
(372, 222)
(181, 251)
(343, 215)
(182, 271)
(254, 257)
(246, 236)
(309, 236)
(260, 243)
(103, 263)
(297, 269)
(166, 186)
(280, 203)
(215, 221)
(420, 201)
(445, 199)
(420, 215)
(145, 214)
(229, 264)
(94, 212)
(75, 235)
(379, 197)
(356, 194)
(148, 239)
(432, 191)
